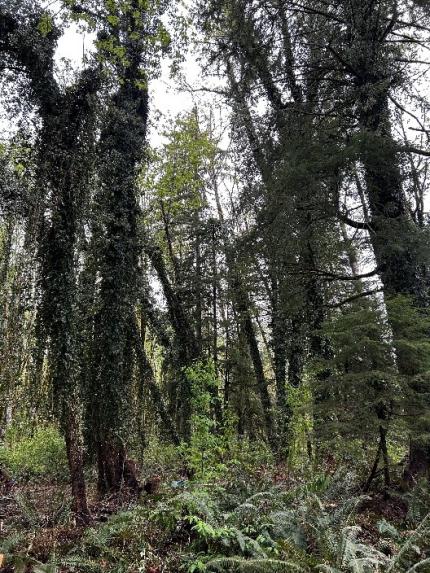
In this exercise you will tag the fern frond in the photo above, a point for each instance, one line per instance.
(418, 566)
(420, 536)
(239, 565)
(244, 508)
(324, 568)
(9, 543)
(260, 494)
(79, 563)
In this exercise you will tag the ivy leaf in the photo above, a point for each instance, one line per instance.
(113, 20)
(45, 24)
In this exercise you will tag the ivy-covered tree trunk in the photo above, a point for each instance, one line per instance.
(58, 170)
(394, 235)
(120, 149)
(63, 148)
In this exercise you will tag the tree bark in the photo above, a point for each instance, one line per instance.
(121, 144)
(396, 239)
(147, 375)
(74, 449)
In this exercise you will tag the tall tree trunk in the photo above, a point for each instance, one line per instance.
(242, 304)
(120, 150)
(279, 345)
(214, 301)
(147, 375)
(198, 285)
(396, 239)
(187, 344)
(242, 307)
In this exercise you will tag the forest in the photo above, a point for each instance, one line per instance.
(214, 304)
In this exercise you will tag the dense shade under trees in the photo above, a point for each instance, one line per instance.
(273, 290)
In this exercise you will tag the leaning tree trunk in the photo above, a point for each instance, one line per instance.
(242, 306)
(187, 344)
(148, 378)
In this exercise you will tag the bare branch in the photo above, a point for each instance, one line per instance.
(418, 151)
(334, 277)
(352, 223)
(355, 297)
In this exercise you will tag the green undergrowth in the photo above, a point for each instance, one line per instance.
(240, 512)
(34, 453)
(316, 526)
(251, 525)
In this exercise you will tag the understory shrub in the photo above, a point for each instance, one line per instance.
(41, 454)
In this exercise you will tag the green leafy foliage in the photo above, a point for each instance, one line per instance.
(21, 562)
(207, 445)
(305, 527)
(45, 24)
(176, 173)
(41, 454)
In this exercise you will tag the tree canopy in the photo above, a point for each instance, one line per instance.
(250, 280)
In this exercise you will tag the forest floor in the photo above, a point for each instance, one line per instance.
(261, 519)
